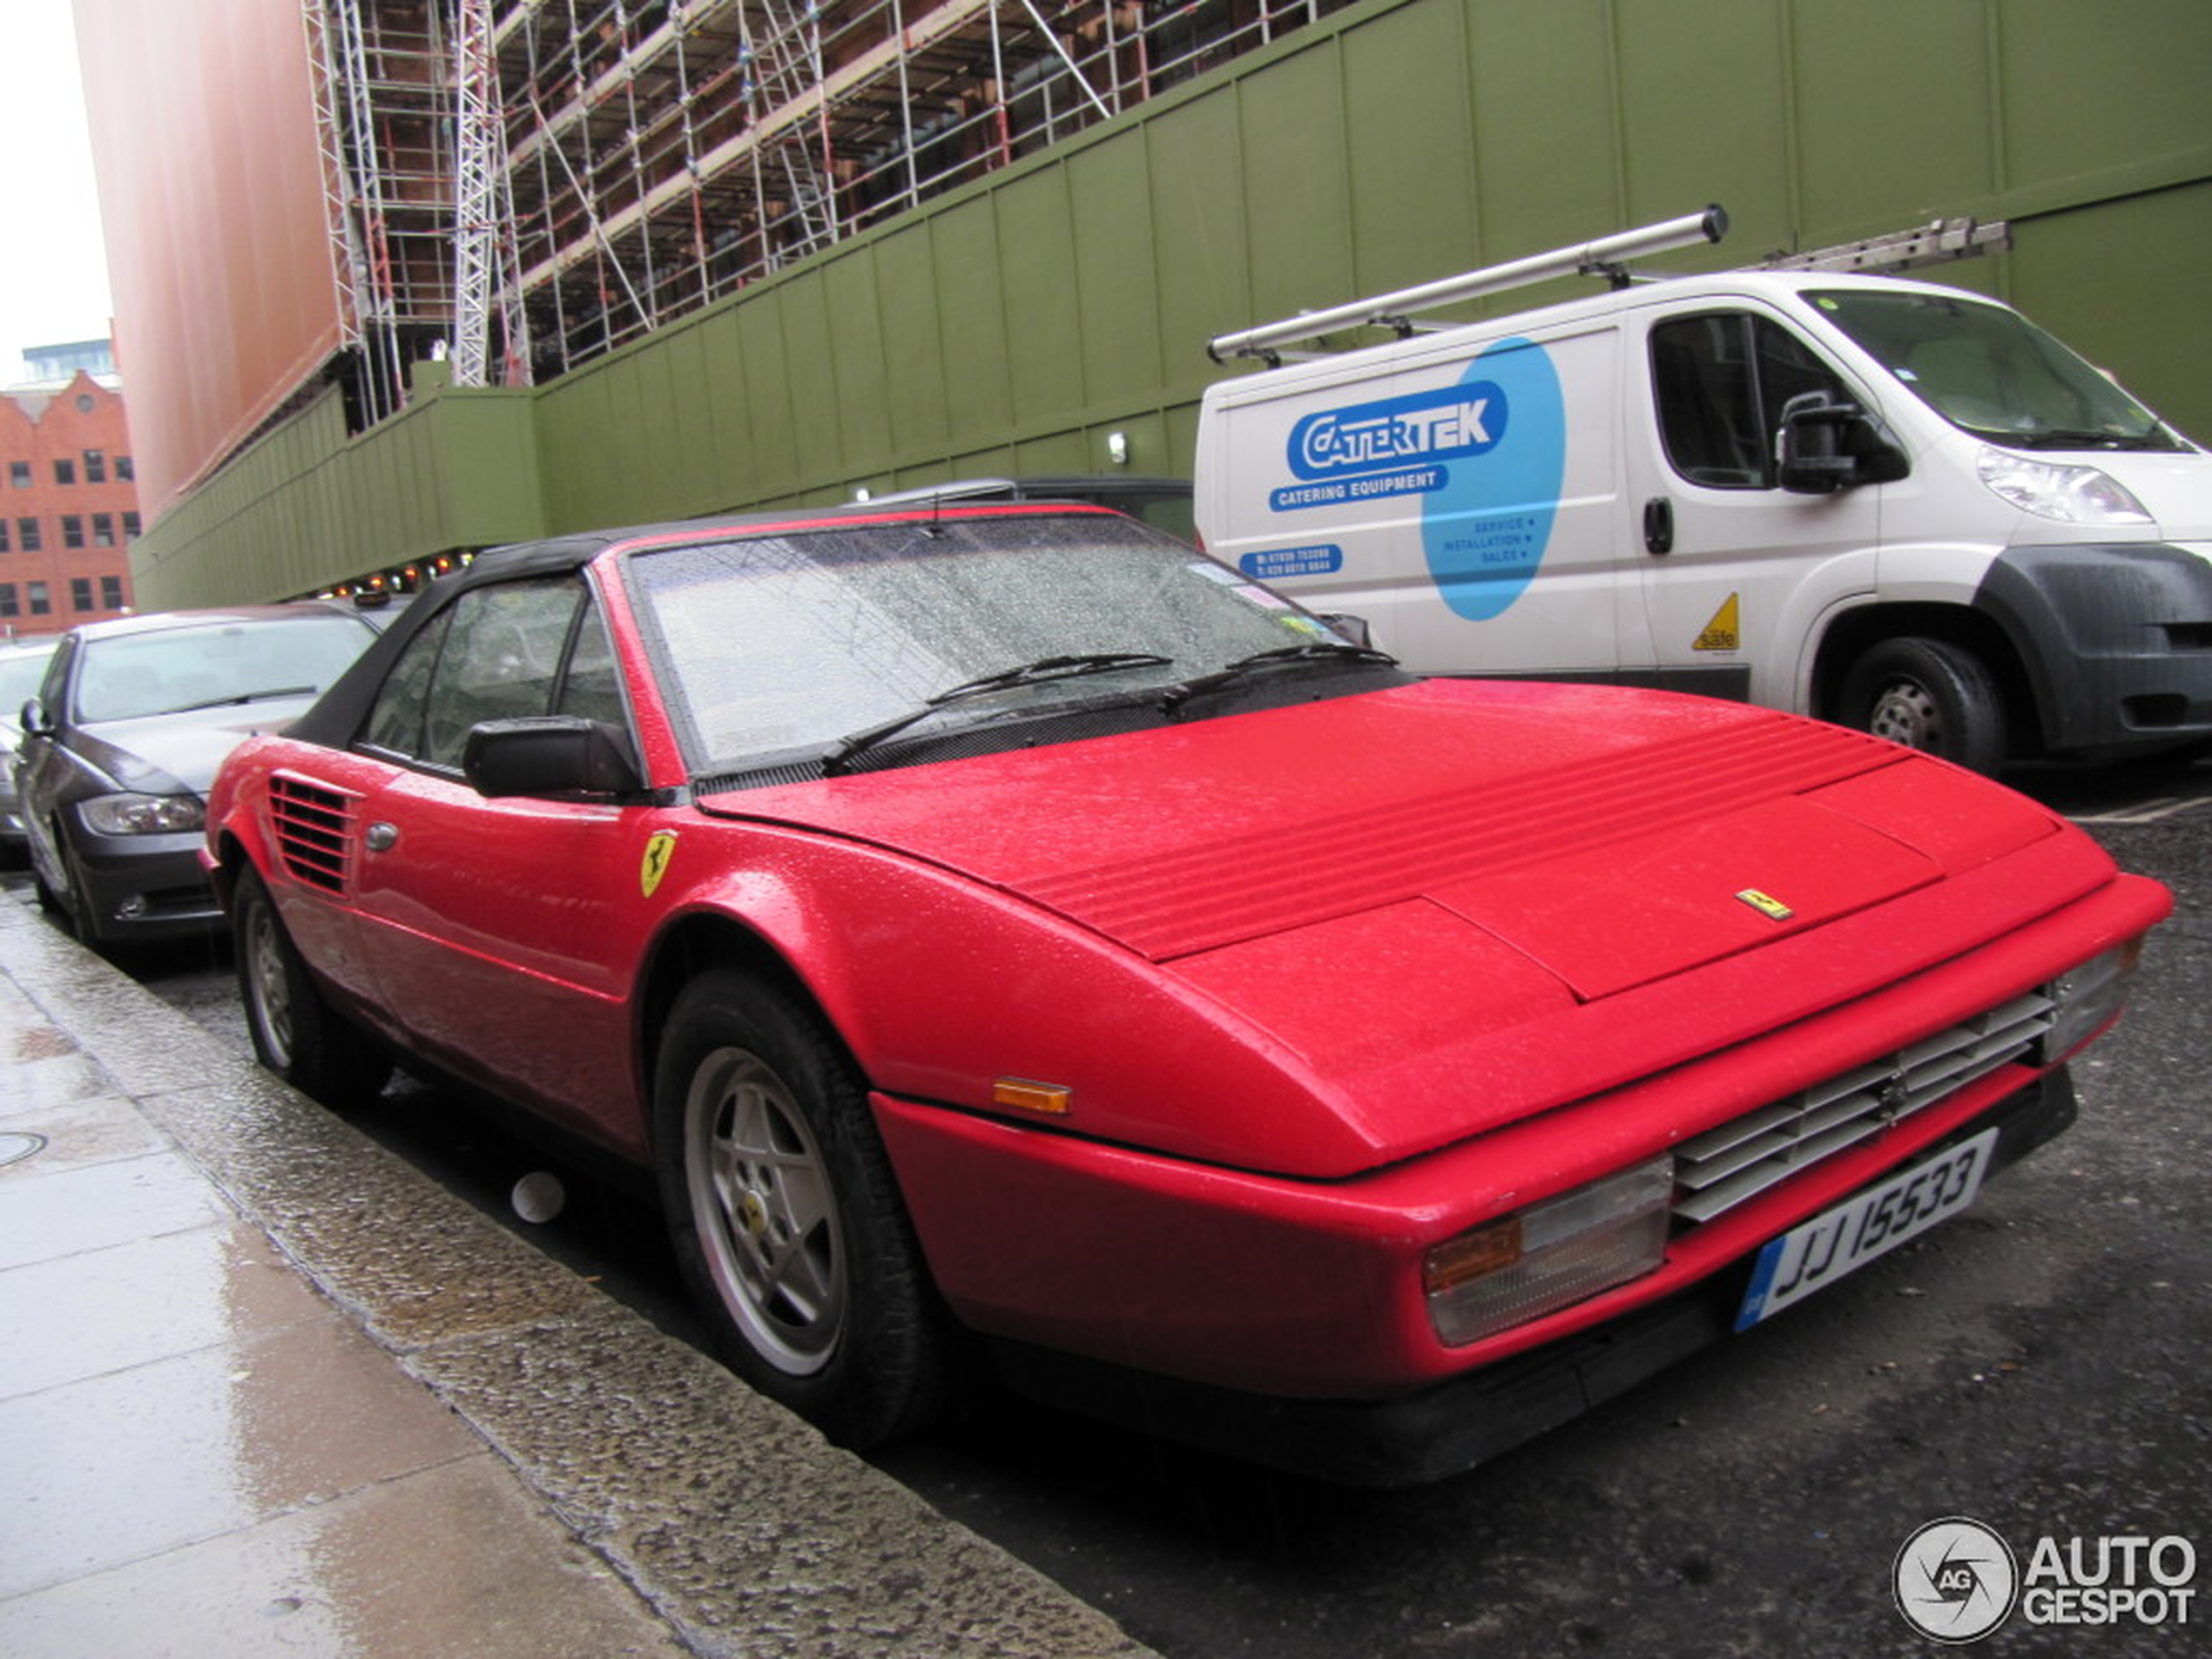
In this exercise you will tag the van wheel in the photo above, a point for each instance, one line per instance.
(786, 1217)
(1928, 694)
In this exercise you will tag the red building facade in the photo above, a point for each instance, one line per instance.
(68, 507)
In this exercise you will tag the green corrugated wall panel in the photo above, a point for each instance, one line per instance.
(916, 364)
(1297, 191)
(1035, 245)
(2092, 89)
(1204, 284)
(1015, 324)
(1407, 102)
(1118, 333)
(1888, 137)
(1725, 86)
(971, 319)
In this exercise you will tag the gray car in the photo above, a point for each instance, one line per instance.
(124, 736)
(22, 666)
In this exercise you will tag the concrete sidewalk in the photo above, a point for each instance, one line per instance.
(265, 1389)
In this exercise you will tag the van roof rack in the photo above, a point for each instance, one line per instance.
(1603, 257)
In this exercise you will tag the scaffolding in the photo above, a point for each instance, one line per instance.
(530, 183)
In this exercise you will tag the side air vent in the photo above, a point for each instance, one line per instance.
(315, 831)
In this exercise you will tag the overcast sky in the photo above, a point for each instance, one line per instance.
(53, 269)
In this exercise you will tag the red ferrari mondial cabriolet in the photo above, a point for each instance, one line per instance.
(1010, 922)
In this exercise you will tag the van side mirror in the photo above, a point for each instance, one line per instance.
(32, 721)
(1821, 447)
(548, 754)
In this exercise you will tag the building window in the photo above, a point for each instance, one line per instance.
(72, 529)
(104, 529)
(64, 472)
(80, 594)
(110, 593)
(85, 404)
(7, 544)
(27, 533)
(36, 593)
(129, 527)
(96, 466)
(9, 607)
(19, 475)
(123, 471)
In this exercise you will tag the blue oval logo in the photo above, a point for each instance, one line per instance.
(1486, 530)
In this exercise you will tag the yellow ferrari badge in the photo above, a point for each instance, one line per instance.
(659, 849)
(1766, 904)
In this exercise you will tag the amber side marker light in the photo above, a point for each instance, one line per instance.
(1052, 1099)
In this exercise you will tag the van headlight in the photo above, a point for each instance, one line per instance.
(1550, 1255)
(143, 814)
(2073, 494)
(2084, 998)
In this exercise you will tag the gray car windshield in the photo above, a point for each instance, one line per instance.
(1992, 372)
(796, 645)
(214, 665)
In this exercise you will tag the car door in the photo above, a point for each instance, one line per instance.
(502, 931)
(1734, 569)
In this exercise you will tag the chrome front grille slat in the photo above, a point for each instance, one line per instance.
(1735, 1162)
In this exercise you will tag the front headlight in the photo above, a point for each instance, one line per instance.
(2089, 995)
(2073, 494)
(1550, 1255)
(143, 814)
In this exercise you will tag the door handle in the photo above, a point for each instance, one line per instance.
(1658, 525)
(382, 837)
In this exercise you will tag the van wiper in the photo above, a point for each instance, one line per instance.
(1043, 669)
(237, 698)
(2084, 438)
(1314, 651)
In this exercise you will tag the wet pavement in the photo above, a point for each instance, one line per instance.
(265, 1389)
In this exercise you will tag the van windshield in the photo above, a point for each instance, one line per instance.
(1993, 373)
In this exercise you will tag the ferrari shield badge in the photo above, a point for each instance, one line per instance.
(659, 849)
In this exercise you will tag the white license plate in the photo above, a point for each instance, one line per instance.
(1820, 1251)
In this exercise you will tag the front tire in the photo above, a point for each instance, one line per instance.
(786, 1217)
(1928, 694)
(296, 1033)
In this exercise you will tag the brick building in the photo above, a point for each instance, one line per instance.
(68, 502)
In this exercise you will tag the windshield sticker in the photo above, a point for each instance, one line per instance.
(1488, 532)
(659, 849)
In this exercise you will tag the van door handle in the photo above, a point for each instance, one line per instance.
(1658, 525)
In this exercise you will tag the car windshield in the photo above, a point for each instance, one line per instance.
(21, 673)
(214, 665)
(1992, 372)
(804, 644)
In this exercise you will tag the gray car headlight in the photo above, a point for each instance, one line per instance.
(143, 814)
(2088, 996)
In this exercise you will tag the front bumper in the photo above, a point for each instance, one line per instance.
(1452, 1427)
(2116, 641)
(142, 886)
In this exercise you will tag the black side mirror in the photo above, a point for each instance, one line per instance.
(1822, 447)
(549, 754)
(1351, 630)
(32, 720)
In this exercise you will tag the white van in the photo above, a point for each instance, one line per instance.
(1886, 503)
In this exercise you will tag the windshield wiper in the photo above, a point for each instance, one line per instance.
(2085, 438)
(1043, 669)
(245, 697)
(1314, 651)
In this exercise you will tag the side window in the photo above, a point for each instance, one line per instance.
(494, 654)
(1720, 381)
(395, 720)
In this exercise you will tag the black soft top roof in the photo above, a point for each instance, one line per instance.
(341, 712)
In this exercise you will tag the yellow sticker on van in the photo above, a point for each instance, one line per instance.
(1724, 632)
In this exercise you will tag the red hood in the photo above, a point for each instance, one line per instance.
(1603, 838)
